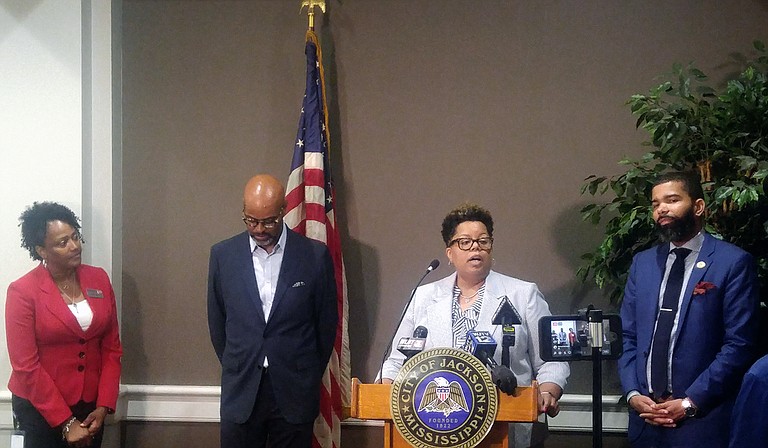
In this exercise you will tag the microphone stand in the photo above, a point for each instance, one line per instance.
(432, 266)
(507, 342)
(595, 319)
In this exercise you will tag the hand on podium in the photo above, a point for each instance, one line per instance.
(549, 396)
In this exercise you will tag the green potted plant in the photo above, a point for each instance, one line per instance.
(721, 132)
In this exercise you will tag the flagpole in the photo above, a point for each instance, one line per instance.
(311, 4)
(314, 216)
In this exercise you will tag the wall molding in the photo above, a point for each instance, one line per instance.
(200, 404)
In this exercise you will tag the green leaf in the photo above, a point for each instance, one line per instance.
(698, 74)
(723, 193)
(594, 184)
(760, 174)
(746, 162)
(588, 207)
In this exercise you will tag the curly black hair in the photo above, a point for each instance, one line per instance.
(34, 224)
(463, 213)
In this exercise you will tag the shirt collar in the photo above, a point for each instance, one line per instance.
(694, 244)
(280, 241)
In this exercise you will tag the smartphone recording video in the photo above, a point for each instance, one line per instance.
(567, 338)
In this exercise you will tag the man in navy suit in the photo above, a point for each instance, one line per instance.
(685, 352)
(272, 316)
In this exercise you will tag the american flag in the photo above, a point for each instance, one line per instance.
(310, 211)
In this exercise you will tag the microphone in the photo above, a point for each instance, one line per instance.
(506, 313)
(432, 266)
(483, 346)
(415, 345)
(507, 316)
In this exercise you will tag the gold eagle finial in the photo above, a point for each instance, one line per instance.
(311, 4)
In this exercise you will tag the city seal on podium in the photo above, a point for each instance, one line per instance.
(443, 397)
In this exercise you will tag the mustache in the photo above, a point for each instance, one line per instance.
(678, 228)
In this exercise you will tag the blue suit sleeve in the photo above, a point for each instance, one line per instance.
(628, 360)
(216, 312)
(740, 304)
(326, 311)
(748, 421)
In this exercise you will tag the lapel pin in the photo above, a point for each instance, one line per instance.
(701, 265)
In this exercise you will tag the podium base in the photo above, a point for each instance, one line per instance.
(371, 402)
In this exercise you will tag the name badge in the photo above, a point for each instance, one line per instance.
(94, 293)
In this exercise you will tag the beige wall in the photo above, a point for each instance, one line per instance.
(56, 135)
(506, 103)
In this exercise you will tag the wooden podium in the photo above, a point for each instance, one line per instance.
(371, 402)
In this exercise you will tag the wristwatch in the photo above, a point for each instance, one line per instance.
(689, 408)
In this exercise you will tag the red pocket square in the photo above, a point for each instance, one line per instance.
(702, 288)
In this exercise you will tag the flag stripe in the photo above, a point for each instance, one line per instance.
(310, 210)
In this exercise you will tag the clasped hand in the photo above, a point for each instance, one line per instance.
(667, 413)
(81, 434)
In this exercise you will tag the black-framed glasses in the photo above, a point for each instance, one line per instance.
(484, 243)
(268, 223)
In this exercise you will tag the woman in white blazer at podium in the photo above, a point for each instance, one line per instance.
(467, 300)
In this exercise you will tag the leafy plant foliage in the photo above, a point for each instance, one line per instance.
(723, 134)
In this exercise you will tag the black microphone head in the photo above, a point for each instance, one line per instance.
(420, 332)
(506, 313)
(432, 266)
(504, 379)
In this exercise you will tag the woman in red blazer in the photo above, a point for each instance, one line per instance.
(62, 333)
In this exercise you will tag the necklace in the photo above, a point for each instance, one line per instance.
(64, 289)
(69, 299)
(468, 298)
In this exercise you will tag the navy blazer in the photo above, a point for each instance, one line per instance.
(716, 339)
(298, 337)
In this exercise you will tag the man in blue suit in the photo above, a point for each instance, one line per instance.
(272, 316)
(690, 325)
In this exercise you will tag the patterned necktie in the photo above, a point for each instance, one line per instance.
(667, 313)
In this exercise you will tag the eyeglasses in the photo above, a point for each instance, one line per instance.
(269, 223)
(76, 237)
(484, 243)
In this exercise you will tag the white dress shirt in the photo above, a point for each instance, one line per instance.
(266, 266)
